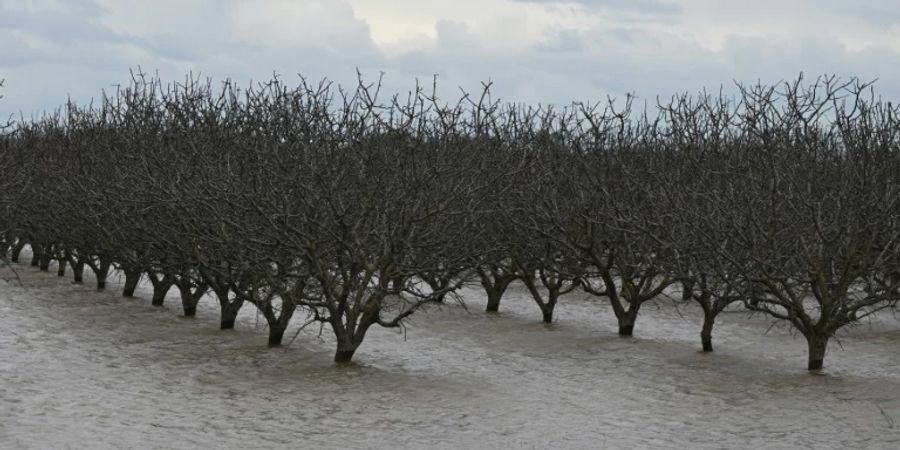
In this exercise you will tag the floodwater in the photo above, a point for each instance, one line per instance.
(87, 369)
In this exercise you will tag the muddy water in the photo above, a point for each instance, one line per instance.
(87, 369)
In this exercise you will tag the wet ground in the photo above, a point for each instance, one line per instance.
(87, 369)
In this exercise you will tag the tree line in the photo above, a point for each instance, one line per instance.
(355, 210)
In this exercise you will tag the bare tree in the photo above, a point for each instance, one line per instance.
(812, 209)
(359, 211)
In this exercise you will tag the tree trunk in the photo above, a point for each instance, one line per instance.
(277, 323)
(548, 314)
(229, 313)
(159, 296)
(495, 285)
(228, 318)
(189, 298)
(494, 296)
(101, 270)
(132, 278)
(45, 260)
(78, 272)
(687, 290)
(61, 269)
(626, 323)
(276, 334)
(17, 250)
(343, 356)
(706, 333)
(344, 353)
(160, 289)
(35, 256)
(347, 341)
(817, 345)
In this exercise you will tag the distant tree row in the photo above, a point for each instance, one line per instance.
(355, 211)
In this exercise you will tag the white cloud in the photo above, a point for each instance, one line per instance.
(285, 24)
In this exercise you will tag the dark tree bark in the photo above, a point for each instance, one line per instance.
(627, 320)
(229, 308)
(162, 283)
(277, 318)
(132, 278)
(275, 336)
(817, 345)
(344, 354)
(35, 255)
(547, 313)
(348, 341)
(713, 294)
(17, 250)
(190, 295)
(709, 320)
(229, 315)
(45, 258)
(494, 297)
(78, 272)
(554, 283)
(638, 286)
(495, 281)
(278, 323)
(687, 290)
(100, 266)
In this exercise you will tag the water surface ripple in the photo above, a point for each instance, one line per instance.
(87, 369)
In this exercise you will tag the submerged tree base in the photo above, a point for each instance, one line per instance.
(817, 346)
(275, 338)
(343, 356)
(548, 316)
(130, 287)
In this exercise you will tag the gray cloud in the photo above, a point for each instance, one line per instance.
(655, 7)
(47, 55)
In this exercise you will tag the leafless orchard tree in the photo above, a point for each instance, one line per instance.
(544, 263)
(701, 133)
(495, 275)
(357, 211)
(811, 209)
(604, 215)
(381, 201)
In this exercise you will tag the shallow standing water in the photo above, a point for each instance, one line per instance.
(87, 369)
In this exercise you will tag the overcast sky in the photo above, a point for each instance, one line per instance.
(533, 50)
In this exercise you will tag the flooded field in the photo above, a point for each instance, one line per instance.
(87, 369)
